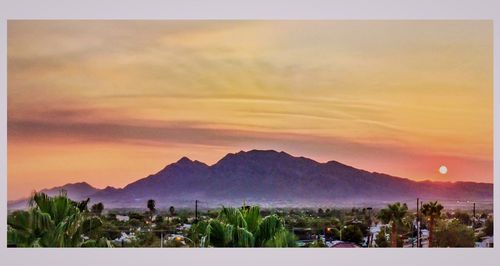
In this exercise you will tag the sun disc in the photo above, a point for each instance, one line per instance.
(443, 169)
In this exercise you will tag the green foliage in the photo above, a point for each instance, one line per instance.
(137, 216)
(463, 217)
(60, 222)
(317, 244)
(109, 230)
(90, 227)
(159, 221)
(394, 214)
(97, 209)
(454, 234)
(147, 239)
(51, 222)
(111, 217)
(282, 239)
(364, 228)
(135, 222)
(381, 240)
(100, 243)
(197, 233)
(488, 227)
(353, 234)
(242, 228)
(433, 211)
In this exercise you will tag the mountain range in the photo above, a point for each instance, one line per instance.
(270, 178)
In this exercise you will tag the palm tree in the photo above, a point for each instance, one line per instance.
(152, 209)
(152, 205)
(243, 227)
(433, 211)
(393, 214)
(52, 222)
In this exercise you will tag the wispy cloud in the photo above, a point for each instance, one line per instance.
(388, 95)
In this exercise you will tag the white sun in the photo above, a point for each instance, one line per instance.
(443, 169)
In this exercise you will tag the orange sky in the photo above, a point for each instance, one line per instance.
(109, 102)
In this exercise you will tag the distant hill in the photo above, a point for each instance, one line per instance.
(271, 178)
(76, 191)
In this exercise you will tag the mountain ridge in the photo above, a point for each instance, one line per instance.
(269, 177)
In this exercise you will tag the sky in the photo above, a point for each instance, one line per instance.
(110, 102)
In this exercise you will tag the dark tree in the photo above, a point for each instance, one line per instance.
(432, 210)
(135, 222)
(152, 205)
(159, 220)
(393, 214)
(171, 210)
(111, 217)
(82, 205)
(381, 240)
(135, 215)
(488, 227)
(353, 234)
(454, 234)
(463, 218)
(97, 209)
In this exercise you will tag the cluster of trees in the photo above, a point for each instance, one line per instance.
(60, 222)
(54, 222)
(454, 232)
(243, 227)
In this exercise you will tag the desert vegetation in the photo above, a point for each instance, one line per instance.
(62, 222)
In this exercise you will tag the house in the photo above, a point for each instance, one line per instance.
(122, 218)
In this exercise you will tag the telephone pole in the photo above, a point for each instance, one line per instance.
(370, 236)
(418, 224)
(473, 215)
(196, 211)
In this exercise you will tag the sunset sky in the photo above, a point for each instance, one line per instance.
(109, 102)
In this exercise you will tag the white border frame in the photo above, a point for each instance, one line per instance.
(235, 9)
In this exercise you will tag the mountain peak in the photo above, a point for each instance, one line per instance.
(253, 154)
(264, 152)
(270, 177)
(81, 185)
(184, 163)
(77, 190)
(184, 160)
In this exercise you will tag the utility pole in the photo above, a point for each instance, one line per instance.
(196, 211)
(370, 236)
(418, 224)
(473, 215)
(419, 228)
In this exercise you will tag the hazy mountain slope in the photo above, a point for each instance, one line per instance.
(275, 178)
(76, 191)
